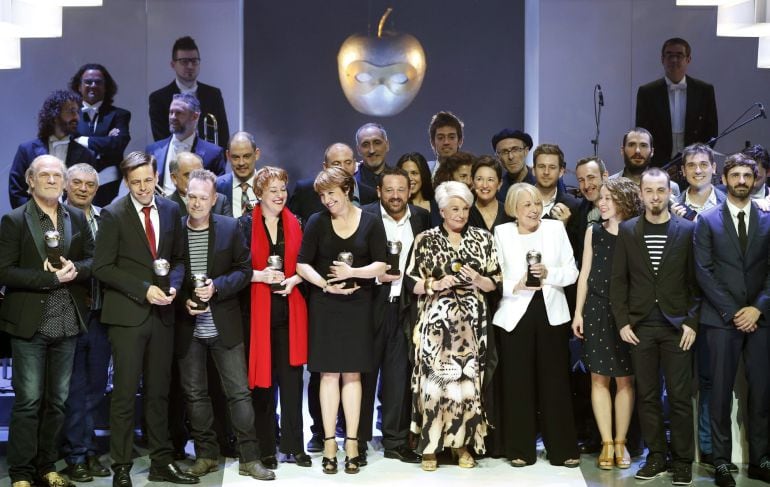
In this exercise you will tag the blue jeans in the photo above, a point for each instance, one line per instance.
(87, 387)
(231, 365)
(41, 379)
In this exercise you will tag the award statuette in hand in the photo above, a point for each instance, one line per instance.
(394, 252)
(52, 249)
(346, 258)
(161, 267)
(533, 257)
(198, 280)
(275, 262)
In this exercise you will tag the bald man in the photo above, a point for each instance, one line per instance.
(242, 155)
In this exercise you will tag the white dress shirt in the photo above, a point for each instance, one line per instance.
(154, 218)
(175, 147)
(401, 231)
(677, 103)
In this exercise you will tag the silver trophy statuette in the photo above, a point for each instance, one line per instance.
(392, 256)
(533, 257)
(198, 280)
(161, 267)
(52, 249)
(275, 262)
(346, 258)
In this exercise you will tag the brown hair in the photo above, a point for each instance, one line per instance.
(266, 174)
(625, 195)
(551, 150)
(446, 170)
(137, 159)
(334, 177)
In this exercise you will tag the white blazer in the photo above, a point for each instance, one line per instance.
(551, 240)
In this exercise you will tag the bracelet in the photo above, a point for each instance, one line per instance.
(326, 284)
(429, 286)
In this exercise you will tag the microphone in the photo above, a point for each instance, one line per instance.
(761, 110)
(601, 95)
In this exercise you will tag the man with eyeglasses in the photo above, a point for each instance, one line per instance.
(677, 109)
(185, 61)
(512, 148)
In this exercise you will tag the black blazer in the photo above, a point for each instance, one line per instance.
(730, 279)
(635, 288)
(229, 266)
(221, 207)
(211, 101)
(304, 201)
(123, 260)
(21, 267)
(26, 153)
(654, 114)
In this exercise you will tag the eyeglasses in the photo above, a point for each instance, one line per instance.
(512, 150)
(691, 166)
(185, 61)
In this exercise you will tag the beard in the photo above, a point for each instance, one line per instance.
(741, 191)
(634, 168)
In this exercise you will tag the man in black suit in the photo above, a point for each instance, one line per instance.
(304, 201)
(57, 122)
(733, 270)
(373, 146)
(183, 114)
(238, 185)
(103, 127)
(403, 222)
(655, 301)
(216, 249)
(137, 233)
(181, 168)
(677, 109)
(43, 312)
(186, 61)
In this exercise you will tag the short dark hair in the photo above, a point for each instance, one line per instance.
(678, 41)
(189, 99)
(511, 134)
(598, 160)
(185, 43)
(698, 148)
(445, 119)
(110, 87)
(51, 109)
(640, 130)
(654, 172)
(391, 171)
(490, 162)
(137, 159)
(549, 150)
(740, 160)
(426, 189)
(759, 155)
(451, 164)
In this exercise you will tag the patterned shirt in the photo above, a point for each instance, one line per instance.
(198, 251)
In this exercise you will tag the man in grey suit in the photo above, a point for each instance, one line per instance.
(733, 270)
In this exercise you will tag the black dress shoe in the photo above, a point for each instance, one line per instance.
(722, 476)
(404, 454)
(171, 473)
(95, 468)
(761, 471)
(78, 473)
(122, 476)
(270, 462)
(301, 459)
(315, 444)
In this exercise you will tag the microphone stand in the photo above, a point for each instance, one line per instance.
(598, 104)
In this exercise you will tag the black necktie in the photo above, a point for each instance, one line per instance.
(742, 238)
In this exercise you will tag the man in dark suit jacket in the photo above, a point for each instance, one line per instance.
(304, 201)
(185, 61)
(182, 117)
(733, 270)
(103, 127)
(373, 146)
(655, 301)
(44, 310)
(654, 101)
(403, 222)
(216, 248)
(136, 232)
(238, 185)
(181, 168)
(57, 122)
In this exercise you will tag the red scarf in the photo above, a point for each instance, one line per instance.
(260, 373)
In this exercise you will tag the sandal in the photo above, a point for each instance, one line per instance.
(572, 463)
(464, 458)
(329, 464)
(352, 465)
(518, 463)
(605, 461)
(622, 457)
(429, 462)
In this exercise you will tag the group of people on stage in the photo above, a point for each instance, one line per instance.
(450, 289)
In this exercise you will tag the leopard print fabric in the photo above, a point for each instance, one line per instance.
(450, 359)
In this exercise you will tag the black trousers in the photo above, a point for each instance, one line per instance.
(287, 385)
(145, 352)
(391, 360)
(534, 369)
(658, 349)
(726, 347)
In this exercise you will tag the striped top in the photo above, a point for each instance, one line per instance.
(198, 241)
(655, 236)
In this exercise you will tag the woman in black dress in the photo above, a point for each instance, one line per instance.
(420, 187)
(487, 177)
(340, 304)
(605, 354)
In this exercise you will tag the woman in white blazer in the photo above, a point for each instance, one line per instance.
(533, 331)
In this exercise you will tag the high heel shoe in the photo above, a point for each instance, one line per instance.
(605, 461)
(429, 463)
(352, 465)
(622, 457)
(329, 464)
(464, 458)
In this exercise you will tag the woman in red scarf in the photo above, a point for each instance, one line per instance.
(278, 328)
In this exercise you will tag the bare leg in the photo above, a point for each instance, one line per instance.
(351, 405)
(601, 401)
(329, 394)
(624, 405)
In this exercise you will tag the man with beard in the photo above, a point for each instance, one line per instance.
(392, 308)
(183, 117)
(655, 300)
(57, 122)
(731, 242)
(238, 186)
(373, 146)
(637, 151)
(446, 137)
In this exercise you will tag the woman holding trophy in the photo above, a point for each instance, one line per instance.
(537, 262)
(342, 252)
